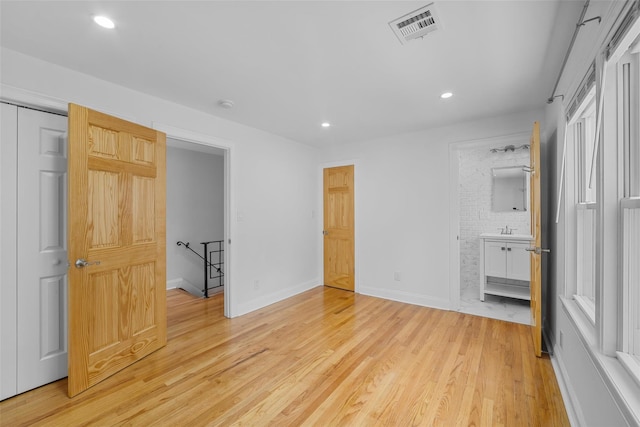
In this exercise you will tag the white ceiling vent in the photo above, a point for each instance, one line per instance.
(416, 24)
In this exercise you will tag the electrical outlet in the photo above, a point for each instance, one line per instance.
(256, 285)
(396, 276)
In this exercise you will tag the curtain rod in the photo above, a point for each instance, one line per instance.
(580, 23)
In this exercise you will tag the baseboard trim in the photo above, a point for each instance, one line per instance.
(406, 297)
(266, 300)
(182, 283)
(174, 283)
(573, 407)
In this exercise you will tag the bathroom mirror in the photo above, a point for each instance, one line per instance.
(510, 189)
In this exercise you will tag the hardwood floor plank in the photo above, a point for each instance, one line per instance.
(324, 357)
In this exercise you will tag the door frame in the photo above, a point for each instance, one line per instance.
(319, 217)
(8, 258)
(51, 104)
(454, 204)
(230, 307)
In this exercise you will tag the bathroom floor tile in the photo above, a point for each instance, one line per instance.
(494, 307)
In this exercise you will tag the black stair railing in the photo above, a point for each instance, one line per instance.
(213, 261)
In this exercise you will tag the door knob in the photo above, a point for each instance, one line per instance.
(325, 233)
(81, 263)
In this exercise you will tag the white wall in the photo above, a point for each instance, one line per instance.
(402, 207)
(195, 211)
(273, 180)
(476, 213)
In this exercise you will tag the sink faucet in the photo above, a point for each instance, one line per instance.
(507, 230)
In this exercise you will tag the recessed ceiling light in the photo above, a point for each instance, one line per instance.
(325, 124)
(446, 95)
(104, 22)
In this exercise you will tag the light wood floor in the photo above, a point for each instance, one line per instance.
(325, 357)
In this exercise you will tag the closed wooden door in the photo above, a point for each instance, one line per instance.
(339, 247)
(536, 232)
(117, 281)
(42, 249)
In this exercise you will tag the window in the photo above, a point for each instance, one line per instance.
(584, 132)
(585, 143)
(628, 106)
(628, 98)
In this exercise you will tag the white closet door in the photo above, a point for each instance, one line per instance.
(8, 148)
(42, 249)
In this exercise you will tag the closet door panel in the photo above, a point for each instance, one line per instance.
(42, 249)
(8, 238)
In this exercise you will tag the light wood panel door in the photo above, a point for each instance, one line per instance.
(536, 232)
(117, 308)
(339, 247)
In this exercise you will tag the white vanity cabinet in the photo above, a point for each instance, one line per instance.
(505, 265)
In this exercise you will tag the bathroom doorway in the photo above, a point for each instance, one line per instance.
(475, 214)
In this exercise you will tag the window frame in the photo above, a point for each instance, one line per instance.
(582, 134)
(628, 127)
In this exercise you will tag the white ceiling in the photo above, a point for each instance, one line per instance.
(289, 65)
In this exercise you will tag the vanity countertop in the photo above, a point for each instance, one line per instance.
(498, 236)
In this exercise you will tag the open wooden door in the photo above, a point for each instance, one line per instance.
(116, 241)
(339, 248)
(536, 252)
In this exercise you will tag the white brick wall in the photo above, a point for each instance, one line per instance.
(476, 216)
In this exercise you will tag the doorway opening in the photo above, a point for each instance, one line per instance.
(195, 218)
(182, 139)
(476, 216)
